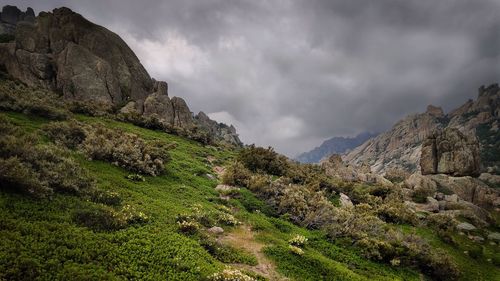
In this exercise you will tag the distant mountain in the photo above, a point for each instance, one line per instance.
(400, 147)
(335, 145)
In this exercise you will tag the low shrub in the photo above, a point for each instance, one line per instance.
(397, 212)
(230, 274)
(298, 240)
(136, 177)
(236, 174)
(70, 134)
(126, 150)
(105, 197)
(99, 219)
(259, 159)
(37, 169)
(18, 97)
(296, 250)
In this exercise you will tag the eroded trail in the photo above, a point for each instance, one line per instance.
(243, 238)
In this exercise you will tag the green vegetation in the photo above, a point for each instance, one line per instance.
(89, 197)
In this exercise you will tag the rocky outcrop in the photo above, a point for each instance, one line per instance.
(221, 132)
(401, 146)
(82, 60)
(335, 167)
(450, 152)
(469, 189)
(64, 52)
(11, 15)
(174, 112)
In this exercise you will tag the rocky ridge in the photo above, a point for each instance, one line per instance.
(335, 145)
(401, 146)
(64, 52)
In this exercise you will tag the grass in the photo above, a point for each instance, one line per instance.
(39, 239)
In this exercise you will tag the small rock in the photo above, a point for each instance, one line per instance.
(495, 236)
(345, 201)
(210, 176)
(432, 205)
(216, 230)
(451, 198)
(224, 187)
(465, 226)
(476, 238)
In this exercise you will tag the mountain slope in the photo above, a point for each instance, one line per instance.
(335, 145)
(400, 147)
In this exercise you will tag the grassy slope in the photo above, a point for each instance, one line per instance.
(38, 237)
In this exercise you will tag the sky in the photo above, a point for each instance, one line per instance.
(290, 74)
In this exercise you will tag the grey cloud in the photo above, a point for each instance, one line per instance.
(292, 73)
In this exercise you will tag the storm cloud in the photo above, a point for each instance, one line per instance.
(292, 73)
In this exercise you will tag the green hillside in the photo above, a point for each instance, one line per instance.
(73, 212)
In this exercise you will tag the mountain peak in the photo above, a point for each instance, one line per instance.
(435, 111)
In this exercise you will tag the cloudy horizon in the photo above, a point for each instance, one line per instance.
(291, 74)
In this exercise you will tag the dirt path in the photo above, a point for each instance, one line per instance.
(243, 238)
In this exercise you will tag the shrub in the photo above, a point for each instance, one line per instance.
(126, 150)
(188, 227)
(397, 212)
(37, 169)
(296, 250)
(259, 159)
(258, 182)
(236, 174)
(70, 134)
(136, 177)
(105, 197)
(230, 274)
(99, 219)
(227, 219)
(421, 193)
(16, 175)
(21, 98)
(298, 240)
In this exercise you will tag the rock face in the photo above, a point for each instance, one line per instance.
(11, 15)
(64, 52)
(72, 55)
(336, 145)
(401, 146)
(335, 167)
(220, 131)
(450, 152)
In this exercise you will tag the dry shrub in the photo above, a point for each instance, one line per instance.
(236, 174)
(126, 150)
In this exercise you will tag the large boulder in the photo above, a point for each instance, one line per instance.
(450, 152)
(83, 60)
(470, 189)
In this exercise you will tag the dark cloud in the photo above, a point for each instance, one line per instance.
(292, 73)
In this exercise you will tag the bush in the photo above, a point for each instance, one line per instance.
(298, 240)
(99, 219)
(70, 134)
(21, 98)
(236, 175)
(296, 250)
(397, 212)
(259, 159)
(37, 169)
(230, 274)
(136, 177)
(18, 176)
(105, 197)
(126, 150)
